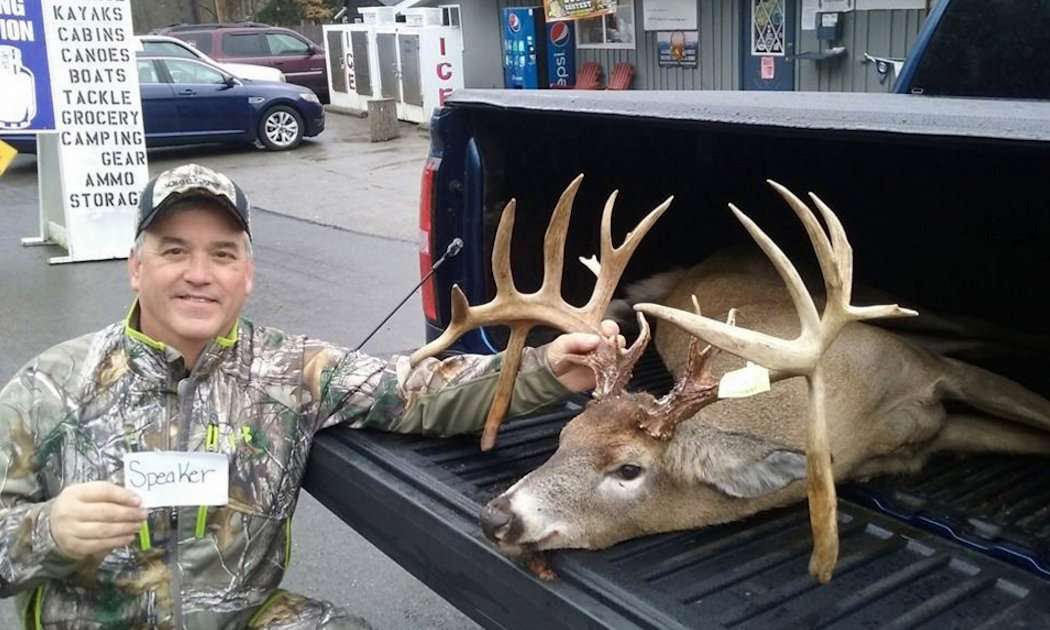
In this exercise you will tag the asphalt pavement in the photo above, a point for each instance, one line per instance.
(335, 245)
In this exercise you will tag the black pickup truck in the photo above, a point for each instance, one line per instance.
(944, 196)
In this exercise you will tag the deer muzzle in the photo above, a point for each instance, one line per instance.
(499, 523)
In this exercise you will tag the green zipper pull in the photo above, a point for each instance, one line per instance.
(211, 444)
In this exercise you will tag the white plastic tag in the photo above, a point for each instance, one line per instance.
(747, 381)
(172, 478)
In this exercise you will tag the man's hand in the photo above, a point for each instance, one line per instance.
(572, 374)
(95, 517)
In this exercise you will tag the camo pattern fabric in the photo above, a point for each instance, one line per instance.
(69, 416)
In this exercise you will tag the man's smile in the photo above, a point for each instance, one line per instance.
(195, 298)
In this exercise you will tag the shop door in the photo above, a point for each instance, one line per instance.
(768, 44)
(362, 69)
(411, 81)
(335, 61)
(386, 49)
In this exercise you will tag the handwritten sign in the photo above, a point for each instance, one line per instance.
(747, 381)
(170, 478)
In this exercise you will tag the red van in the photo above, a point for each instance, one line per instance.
(301, 60)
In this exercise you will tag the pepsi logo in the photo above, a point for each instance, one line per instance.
(559, 34)
(514, 22)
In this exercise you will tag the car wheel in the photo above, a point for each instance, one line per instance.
(281, 128)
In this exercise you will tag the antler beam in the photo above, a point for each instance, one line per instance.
(801, 356)
(521, 312)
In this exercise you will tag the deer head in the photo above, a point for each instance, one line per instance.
(626, 466)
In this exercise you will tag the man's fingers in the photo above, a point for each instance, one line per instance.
(105, 492)
(109, 513)
(105, 513)
(609, 328)
(103, 531)
(92, 547)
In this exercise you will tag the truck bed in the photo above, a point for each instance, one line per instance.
(914, 563)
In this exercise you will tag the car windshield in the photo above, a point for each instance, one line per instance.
(192, 72)
(168, 49)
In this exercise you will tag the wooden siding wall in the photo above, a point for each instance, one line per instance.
(879, 33)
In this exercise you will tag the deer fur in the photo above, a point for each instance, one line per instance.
(886, 411)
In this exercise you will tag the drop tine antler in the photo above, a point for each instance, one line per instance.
(801, 356)
(521, 312)
(611, 364)
(692, 391)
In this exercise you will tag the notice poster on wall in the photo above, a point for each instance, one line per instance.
(809, 14)
(677, 48)
(555, 10)
(768, 68)
(669, 15)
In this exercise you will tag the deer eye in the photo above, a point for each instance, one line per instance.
(628, 472)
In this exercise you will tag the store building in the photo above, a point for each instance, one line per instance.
(817, 45)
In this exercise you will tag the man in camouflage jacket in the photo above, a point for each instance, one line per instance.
(186, 372)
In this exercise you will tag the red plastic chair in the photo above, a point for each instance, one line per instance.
(621, 77)
(589, 77)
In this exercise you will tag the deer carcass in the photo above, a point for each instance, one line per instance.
(867, 402)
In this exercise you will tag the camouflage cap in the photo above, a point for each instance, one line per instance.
(189, 181)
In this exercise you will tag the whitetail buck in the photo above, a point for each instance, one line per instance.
(869, 402)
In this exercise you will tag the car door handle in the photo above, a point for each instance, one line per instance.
(187, 92)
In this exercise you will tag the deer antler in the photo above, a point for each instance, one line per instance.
(694, 389)
(546, 306)
(801, 356)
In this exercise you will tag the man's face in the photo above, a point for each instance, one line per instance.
(192, 275)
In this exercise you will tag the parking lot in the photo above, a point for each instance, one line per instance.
(335, 240)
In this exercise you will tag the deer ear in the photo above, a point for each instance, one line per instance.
(739, 464)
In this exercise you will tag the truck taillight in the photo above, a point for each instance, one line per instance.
(427, 203)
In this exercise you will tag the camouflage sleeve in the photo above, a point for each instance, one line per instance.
(438, 397)
(28, 554)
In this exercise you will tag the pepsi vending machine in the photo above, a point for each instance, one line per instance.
(537, 55)
(523, 62)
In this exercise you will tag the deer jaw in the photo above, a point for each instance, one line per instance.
(584, 496)
(609, 481)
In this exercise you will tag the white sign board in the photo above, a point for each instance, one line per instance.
(441, 57)
(809, 14)
(887, 5)
(171, 478)
(829, 6)
(669, 15)
(101, 166)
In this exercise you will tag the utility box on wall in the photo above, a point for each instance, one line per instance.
(829, 26)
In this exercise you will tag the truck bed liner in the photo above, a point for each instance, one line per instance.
(417, 499)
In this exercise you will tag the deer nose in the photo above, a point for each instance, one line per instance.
(496, 518)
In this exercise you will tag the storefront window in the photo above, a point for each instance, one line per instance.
(608, 31)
